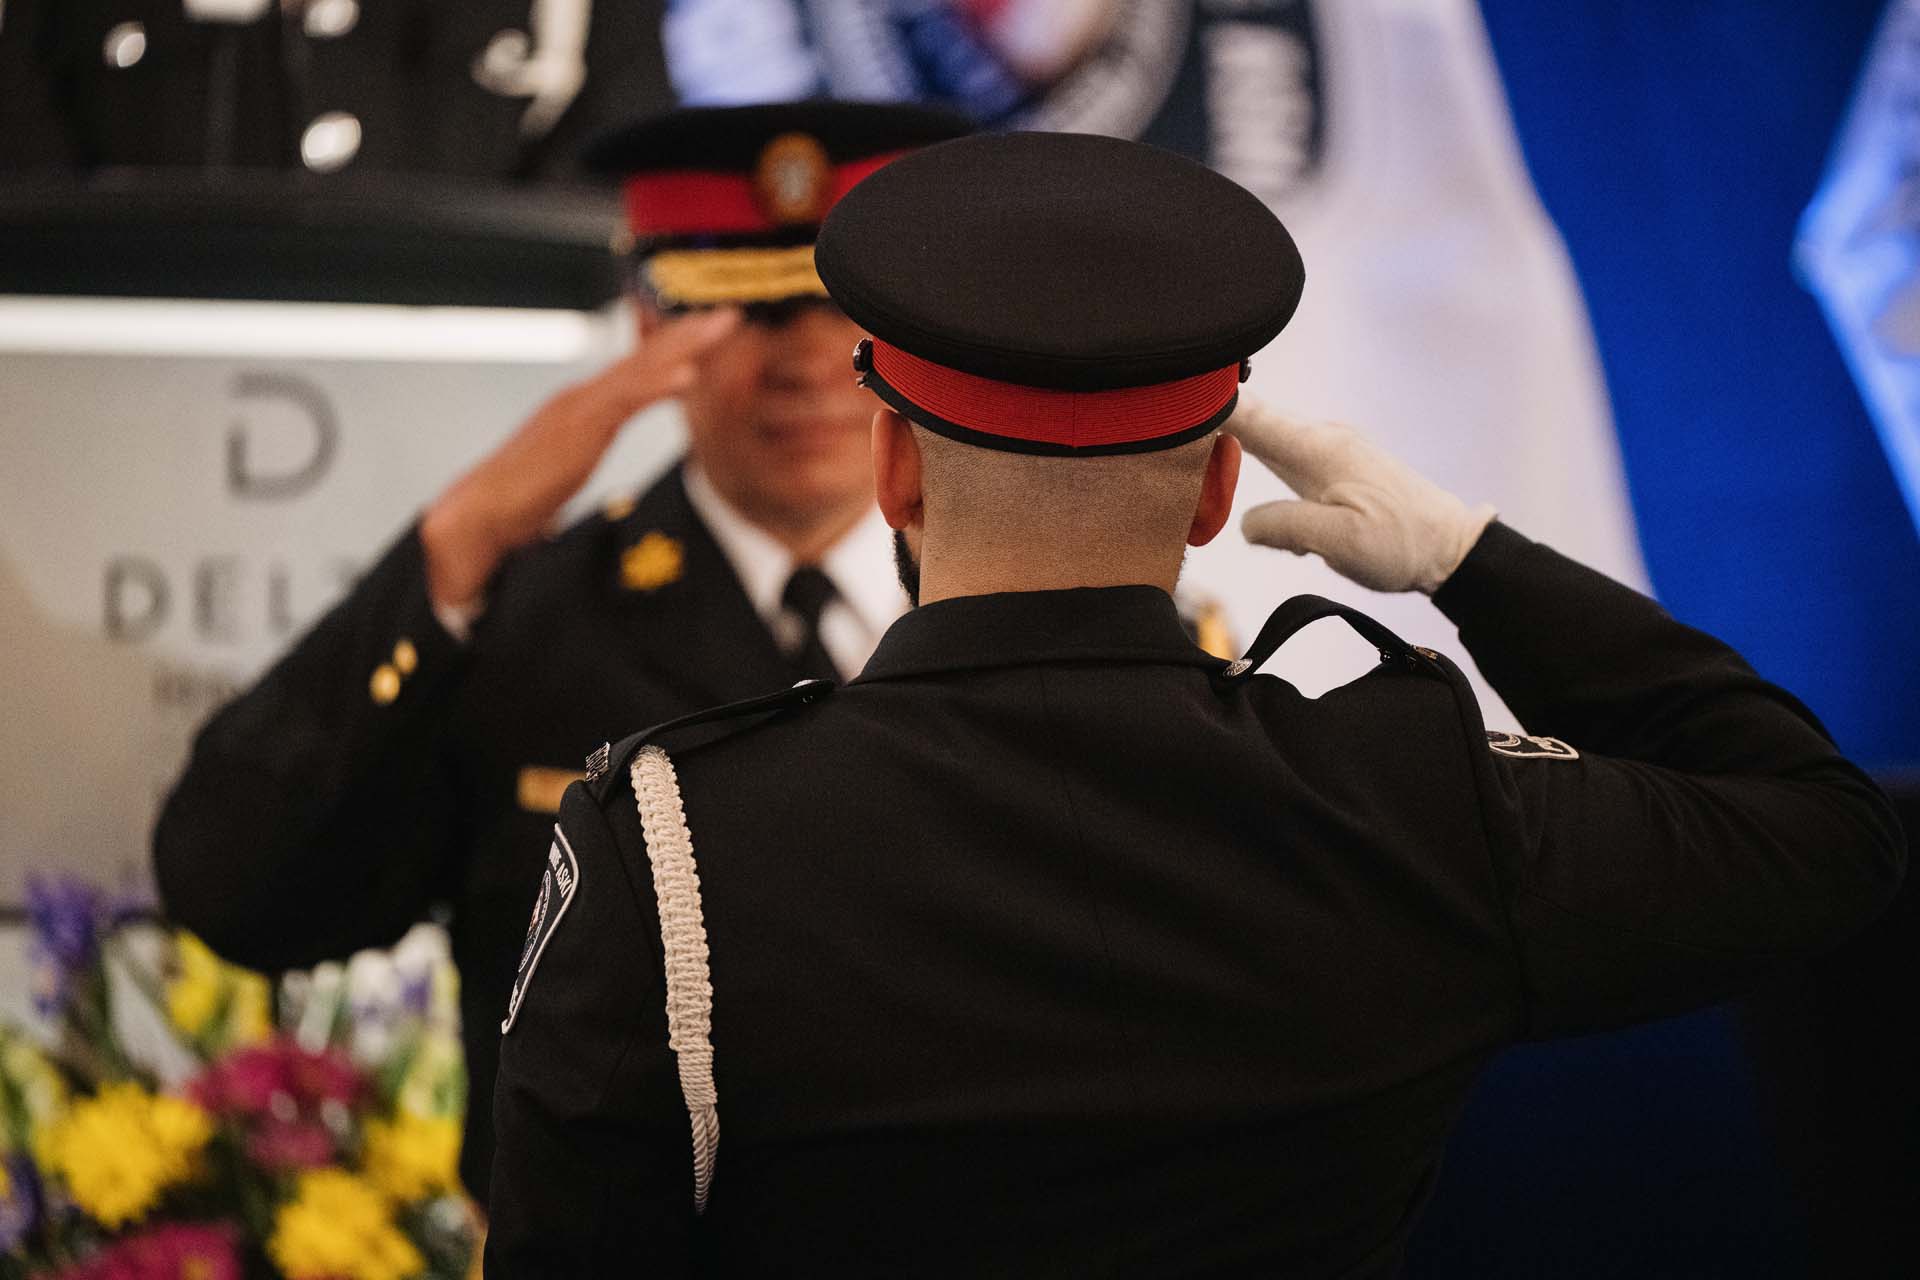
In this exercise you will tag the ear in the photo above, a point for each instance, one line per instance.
(896, 470)
(1216, 491)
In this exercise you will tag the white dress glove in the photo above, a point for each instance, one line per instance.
(1371, 517)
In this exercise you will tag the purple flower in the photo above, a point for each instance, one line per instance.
(416, 993)
(66, 915)
(20, 1206)
(68, 918)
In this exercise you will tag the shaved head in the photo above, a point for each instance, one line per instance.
(981, 520)
(1100, 510)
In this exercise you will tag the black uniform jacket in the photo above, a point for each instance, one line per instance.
(1047, 947)
(314, 818)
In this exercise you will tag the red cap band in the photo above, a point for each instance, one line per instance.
(686, 202)
(1057, 419)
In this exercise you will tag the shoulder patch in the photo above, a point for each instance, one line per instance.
(1529, 746)
(558, 883)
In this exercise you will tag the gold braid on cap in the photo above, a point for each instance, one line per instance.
(715, 277)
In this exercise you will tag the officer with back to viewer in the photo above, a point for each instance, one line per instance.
(1050, 945)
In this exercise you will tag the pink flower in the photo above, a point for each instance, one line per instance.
(289, 1104)
(277, 1077)
(177, 1251)
(244, 1081)
(328, 1077)
(280, 1146)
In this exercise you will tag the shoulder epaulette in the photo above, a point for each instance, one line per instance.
(609, 763)
(1296, 613)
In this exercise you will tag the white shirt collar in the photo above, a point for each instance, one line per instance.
(759, 561)
(860, 565)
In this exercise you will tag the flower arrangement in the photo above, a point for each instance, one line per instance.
(175, 1118)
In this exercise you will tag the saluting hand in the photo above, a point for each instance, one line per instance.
(1369, 515)
(510, 498)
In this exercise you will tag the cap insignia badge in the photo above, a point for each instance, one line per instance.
(791, 179)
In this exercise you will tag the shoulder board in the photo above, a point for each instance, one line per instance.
(607, 765)
(1301, 610)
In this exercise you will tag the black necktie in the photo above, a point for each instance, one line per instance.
(807, 594)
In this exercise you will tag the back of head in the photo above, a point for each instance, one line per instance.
(1065, 320)
(1032, 522)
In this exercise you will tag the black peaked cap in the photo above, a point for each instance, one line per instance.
(730, 139)
(1058, 260)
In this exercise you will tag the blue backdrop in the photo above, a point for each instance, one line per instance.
(1676, 143)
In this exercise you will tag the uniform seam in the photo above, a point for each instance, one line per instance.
(1480, 773)
(1093, 898)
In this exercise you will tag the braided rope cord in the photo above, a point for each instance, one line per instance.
(683, 938)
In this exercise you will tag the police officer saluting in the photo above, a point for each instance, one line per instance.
(411, 749)
(1050, 945)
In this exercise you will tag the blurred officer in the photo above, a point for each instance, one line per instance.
(479, 88)
(1051, 945)
(410, 749)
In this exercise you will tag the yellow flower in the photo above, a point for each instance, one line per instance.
(250, 1012)
(195, 996)
(212, 1000)
(120, 1150)
(338, 1225)
(413, 1157)
(27, 1077)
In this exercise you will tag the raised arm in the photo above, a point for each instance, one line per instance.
(1675, 823)
(318, 812)
(1707, 826)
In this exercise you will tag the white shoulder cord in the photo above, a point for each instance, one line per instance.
(683, 938)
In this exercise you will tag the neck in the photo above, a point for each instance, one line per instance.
(947, 573)
(809, 538)
(806, 534)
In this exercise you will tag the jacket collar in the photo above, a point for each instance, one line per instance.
(694, 626)
(1136, 624)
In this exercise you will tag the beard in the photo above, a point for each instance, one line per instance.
(907, 567)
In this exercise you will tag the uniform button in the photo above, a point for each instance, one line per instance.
(330, 142)
(331, 19)
(405, 656)
(385, 685)
(125, 45)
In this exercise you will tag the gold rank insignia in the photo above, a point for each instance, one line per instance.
(652, 562)
(1211, 630)
(791, 178)
(539, 787)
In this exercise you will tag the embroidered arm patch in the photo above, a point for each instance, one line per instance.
(558, 883)
(1529, 746)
